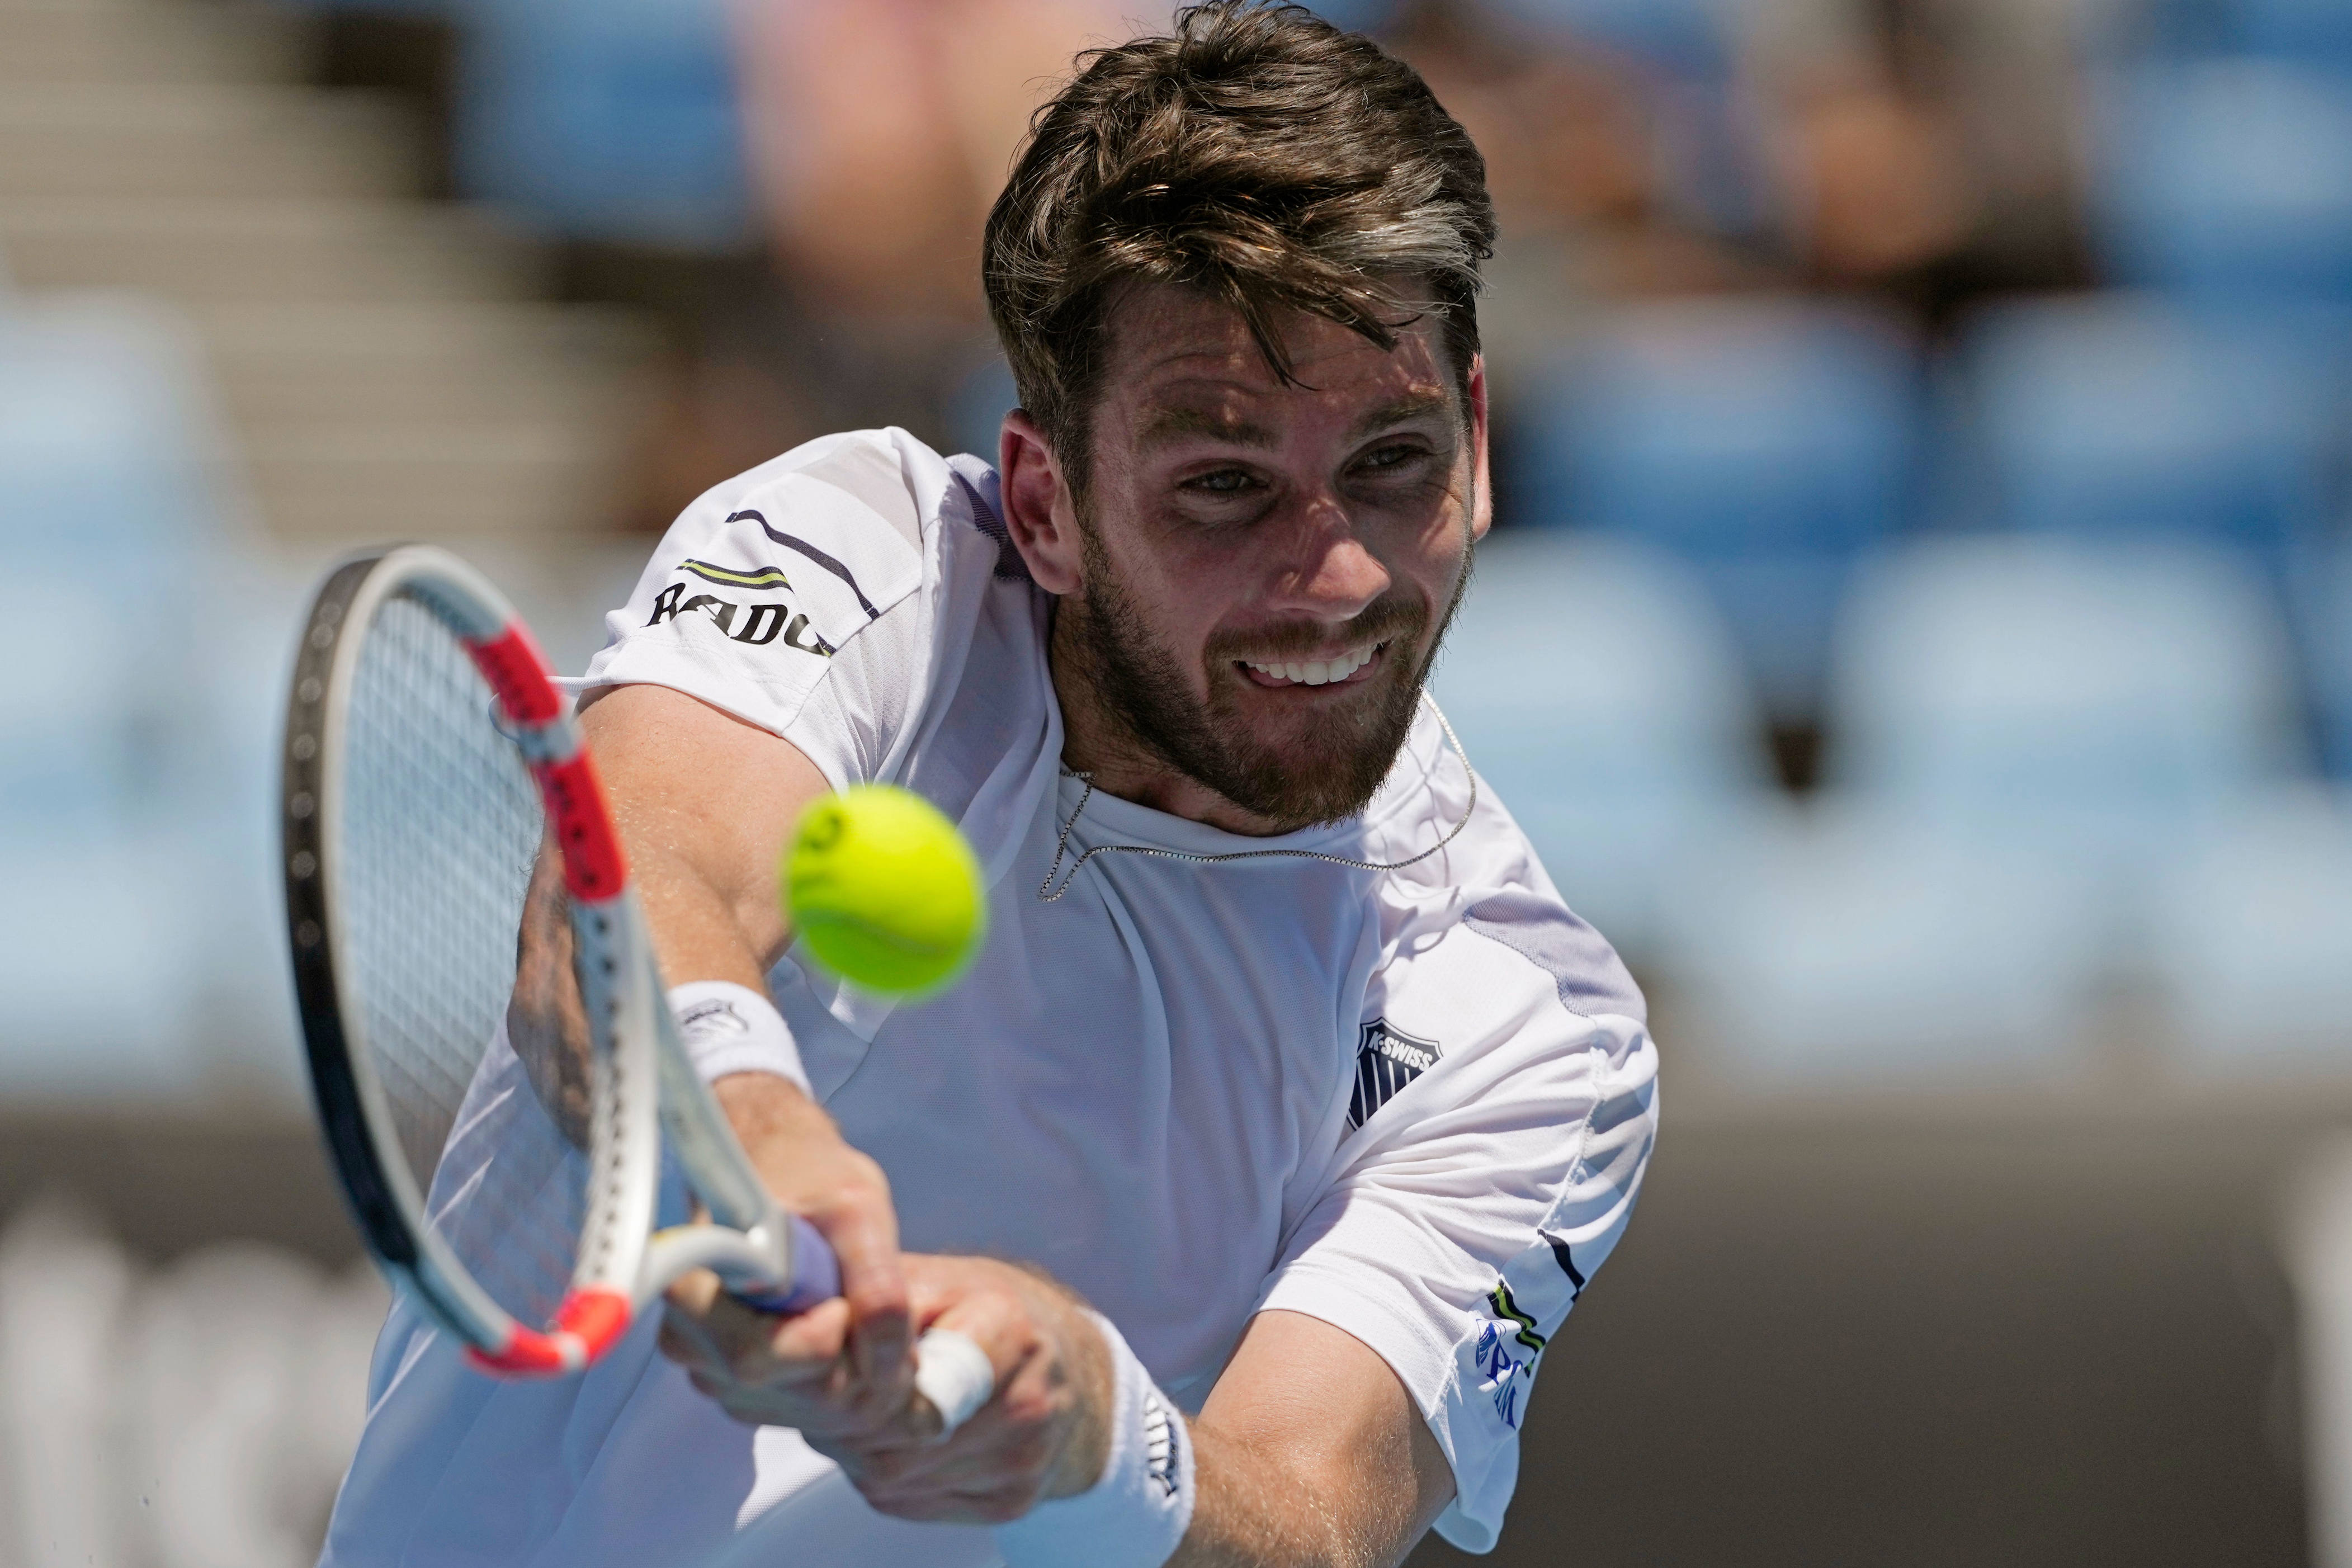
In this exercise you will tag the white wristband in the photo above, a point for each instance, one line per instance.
(728, 1028)
(1136, 1515)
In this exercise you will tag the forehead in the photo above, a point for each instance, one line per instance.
(1175, 349)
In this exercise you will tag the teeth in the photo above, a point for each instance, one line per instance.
(1319, 672)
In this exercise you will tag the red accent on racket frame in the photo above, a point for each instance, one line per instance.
(596, 1317)
(593, 867)
(529, 1353)
(517, 672)
(587, 1325)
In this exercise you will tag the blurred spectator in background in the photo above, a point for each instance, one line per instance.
(877, 132)
(1926, 148)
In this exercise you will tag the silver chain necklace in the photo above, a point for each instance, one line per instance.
(1047, 892)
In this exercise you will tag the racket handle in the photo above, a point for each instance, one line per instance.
(817, 1273)
(951, 1369)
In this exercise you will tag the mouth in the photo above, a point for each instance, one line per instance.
(1344, 667)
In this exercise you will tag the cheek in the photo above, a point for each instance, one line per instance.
(1183, 585)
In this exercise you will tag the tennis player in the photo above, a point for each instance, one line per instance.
(1287, 1110)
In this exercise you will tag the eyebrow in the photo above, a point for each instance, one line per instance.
(1168, 425)
(1410, 406)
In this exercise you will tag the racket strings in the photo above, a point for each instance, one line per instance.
(511, 1194)
(441, 828)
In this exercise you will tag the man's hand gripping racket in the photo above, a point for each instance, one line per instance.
(429, 762)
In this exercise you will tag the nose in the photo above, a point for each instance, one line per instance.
(1322, 565)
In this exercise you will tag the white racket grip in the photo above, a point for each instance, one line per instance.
(953, 1372)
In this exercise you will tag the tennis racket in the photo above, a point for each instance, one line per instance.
(499, 1127)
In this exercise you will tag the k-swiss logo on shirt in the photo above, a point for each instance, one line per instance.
(1386, 1060)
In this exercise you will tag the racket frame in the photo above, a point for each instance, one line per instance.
(643, 1084)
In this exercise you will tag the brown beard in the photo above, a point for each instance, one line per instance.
(1337, 762)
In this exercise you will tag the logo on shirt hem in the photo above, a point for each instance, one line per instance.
(1506, 1375)
(1500, 1297)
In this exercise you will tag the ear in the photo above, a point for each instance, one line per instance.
(1482, 495)
(1038, 512)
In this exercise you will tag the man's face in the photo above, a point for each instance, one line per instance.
(1268, 568)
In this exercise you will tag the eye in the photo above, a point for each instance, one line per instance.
(1395, 455)
(1221, 482)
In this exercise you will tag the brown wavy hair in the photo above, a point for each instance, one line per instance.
(1255, 153)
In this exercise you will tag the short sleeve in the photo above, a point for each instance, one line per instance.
(1502, 1112)
(793, 597)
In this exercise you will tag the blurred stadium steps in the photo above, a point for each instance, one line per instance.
(216, 140)
(386, 371)
(50, 42)
(461, 418)
(197, 250)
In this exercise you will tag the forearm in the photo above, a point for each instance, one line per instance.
(1310, 1453)
(703, 803)
(1258, 1507)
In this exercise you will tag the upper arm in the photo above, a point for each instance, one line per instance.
(774, 647)
(1309, 1410)
(704, 802)
(1458, 1224)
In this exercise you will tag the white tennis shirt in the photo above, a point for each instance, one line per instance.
(1415, 1104)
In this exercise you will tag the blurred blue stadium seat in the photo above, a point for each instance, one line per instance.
(2132, 417)
(100, 965)
(2315, 31)
(101, 926)
(226, 808)
(2322, 597)
(977, 407)
(1766, 442)
(1593, 687)
(1358, 16)
(612, 120)
(112, 508)
(108, 447)
(1849, 945)
(2226, 176)
(1692, 37)
(140, 943)
(75, 724)
(110, 488)
(2095, 706)
(2251, 939)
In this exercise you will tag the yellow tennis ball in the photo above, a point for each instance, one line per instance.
(884, 891)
